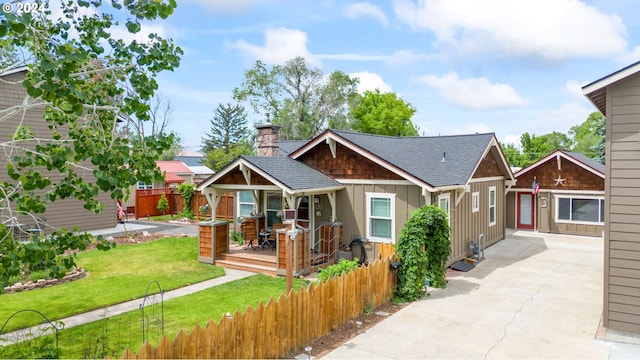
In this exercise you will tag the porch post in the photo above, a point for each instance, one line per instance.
(213, 198)
(332, 201)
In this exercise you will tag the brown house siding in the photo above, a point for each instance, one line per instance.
(347, 164)
(352, 206)
(66, 213)
(622, 202)
(466, 226)
(577, 178)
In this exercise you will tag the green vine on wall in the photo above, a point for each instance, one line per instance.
(423, 249)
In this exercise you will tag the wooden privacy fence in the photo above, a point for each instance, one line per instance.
(279, 327)
(147, 204)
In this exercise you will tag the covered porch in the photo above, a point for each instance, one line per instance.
(280, 200)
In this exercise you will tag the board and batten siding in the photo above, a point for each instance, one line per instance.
(352, 206)
(66, 213)
(466, 225)
(622, 207)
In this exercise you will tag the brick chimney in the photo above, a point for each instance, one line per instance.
(268, 141)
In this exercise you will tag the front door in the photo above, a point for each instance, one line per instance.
(525, 213)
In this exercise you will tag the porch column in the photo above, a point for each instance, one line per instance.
(332, 201)
(213, 198)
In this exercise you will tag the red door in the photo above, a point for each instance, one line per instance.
(525, 212)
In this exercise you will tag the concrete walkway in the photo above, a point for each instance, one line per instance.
(534, 296)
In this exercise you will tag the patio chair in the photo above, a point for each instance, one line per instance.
(250, 234)
(273, 235)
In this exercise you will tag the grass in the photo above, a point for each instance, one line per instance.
(110, 337)
(115, 276)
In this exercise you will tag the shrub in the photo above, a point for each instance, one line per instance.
(343, 266)
(163, 203)
(423, 249)
(237, 237)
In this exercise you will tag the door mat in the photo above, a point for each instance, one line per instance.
(462, 266)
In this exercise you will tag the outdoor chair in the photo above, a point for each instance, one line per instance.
(250, 234)
(273, 236)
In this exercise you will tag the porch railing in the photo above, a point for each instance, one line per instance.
(327, 241)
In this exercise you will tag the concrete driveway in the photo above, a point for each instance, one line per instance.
(534, 296)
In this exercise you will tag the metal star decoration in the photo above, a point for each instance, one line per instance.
(560, 181)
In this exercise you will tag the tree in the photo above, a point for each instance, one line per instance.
(298, 98)
(85, 81)
(228, 136)
(160, 116)
(534, 147)
(383, 114)
(585, 136)
(8, 55)
(513, 155)
(600, 148)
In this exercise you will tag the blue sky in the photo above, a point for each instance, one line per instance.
(467, 66)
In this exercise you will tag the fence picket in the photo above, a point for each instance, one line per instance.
(274, 329)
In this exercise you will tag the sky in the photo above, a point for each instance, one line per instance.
(467, 66)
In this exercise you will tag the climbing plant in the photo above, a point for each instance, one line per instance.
(423, 249)
(187, 191)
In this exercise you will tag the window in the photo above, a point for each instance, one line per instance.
(475, 202)
(143, 186)
(380, 216)
(444, 202)
(580, 210)
(492, 205)
(274, 205)
(303, 208)
(245, 203)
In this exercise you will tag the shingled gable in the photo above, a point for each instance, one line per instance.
(430, 162)
(579, 159)
(294, 177)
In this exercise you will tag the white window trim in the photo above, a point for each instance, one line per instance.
(475, 201)
(145, 186)
(562, 221)
(495, 207)
(448, 197)
(390, 196)
(238, 203)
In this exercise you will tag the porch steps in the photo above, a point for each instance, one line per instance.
(267, 270)
(250, 258)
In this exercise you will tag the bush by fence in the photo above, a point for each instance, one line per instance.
(147, 204)
(274, 329)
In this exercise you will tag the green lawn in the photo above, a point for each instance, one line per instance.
(115, 276)
(114, 335)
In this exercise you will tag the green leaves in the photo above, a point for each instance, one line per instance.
(423, 249)
(86, 87)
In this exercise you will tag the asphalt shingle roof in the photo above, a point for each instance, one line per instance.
(423, 157)
(286, 147)
(294, 174)
(587, 161)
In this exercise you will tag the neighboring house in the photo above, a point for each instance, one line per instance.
(617, 97)
(569, 198)
(66, 213)
(200, 172)
(175, 173)
(372, 184)
(190, 158)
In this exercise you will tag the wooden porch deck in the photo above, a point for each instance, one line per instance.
(258, 261)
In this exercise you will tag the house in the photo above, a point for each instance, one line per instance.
(367, 186)
(561, 193)
(65, 213)
(190, 158)
(175, 173)
(617, 97)
(200, 172)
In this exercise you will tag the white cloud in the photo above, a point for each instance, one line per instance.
(364, 9)
(280, 46)
(539, 29)
(224, 7)
(474, 93)
(560, 119)
(510, 139)
(575, 88)
(370, 81)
